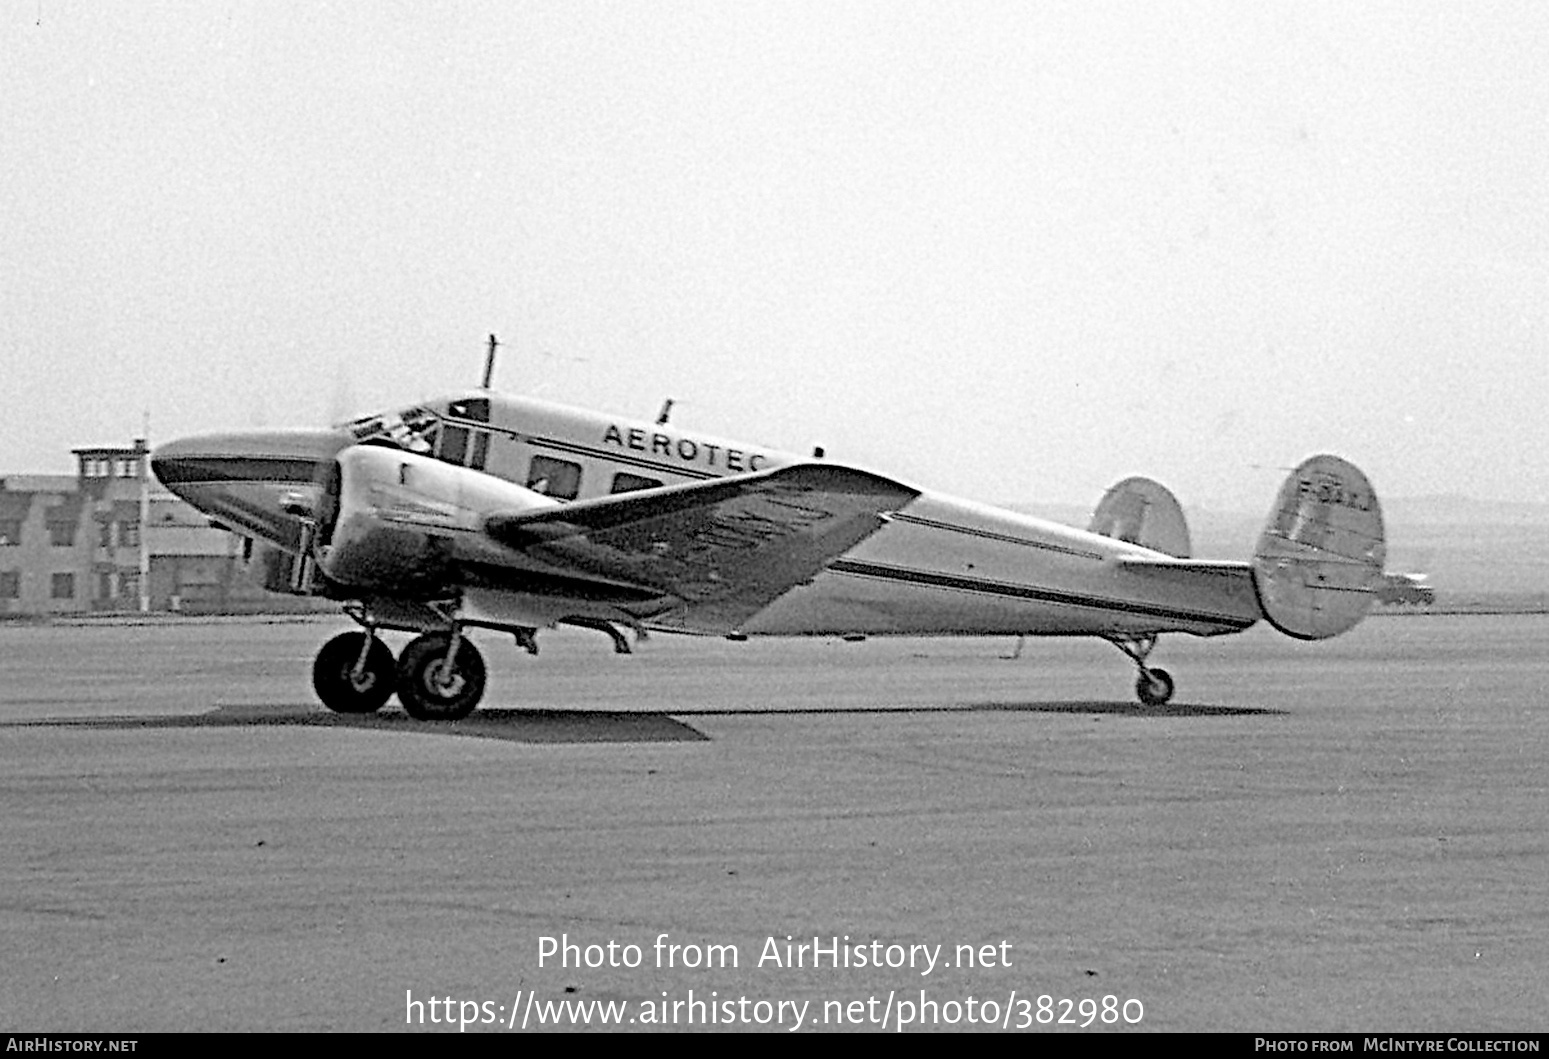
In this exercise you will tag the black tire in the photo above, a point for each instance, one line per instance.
(1155, 687)
(421, 687)
(334, 682)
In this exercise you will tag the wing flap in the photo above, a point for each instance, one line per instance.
(723, 550)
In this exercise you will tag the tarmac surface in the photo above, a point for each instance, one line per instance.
(1347, 836)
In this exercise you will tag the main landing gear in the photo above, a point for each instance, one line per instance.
(439, 676)
(354, 673)
(1154, 686)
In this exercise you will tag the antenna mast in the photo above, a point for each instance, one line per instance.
(489, 361)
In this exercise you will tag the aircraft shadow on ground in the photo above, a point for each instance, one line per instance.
(518, 726)
(591, 726)
(1135, 709)
(1116, 709)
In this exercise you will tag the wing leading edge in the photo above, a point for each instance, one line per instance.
(721, 550)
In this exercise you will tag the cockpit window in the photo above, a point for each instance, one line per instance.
(369, 427)
(474, 408)
(454, 444)
(414, 429)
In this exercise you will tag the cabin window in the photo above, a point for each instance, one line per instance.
(560, 479)
(624, 482)
(63, 586)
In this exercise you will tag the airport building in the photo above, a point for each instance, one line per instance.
(110, 538)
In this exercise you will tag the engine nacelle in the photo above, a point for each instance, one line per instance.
(396, 521)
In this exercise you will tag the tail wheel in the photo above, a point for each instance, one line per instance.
(1155, 687)
(349, 684)
(431, 687)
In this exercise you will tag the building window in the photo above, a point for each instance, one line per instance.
(104, 585)
(128, 534)
(105, 538)
(126, 468)
(10, 531)
(94, 467)
(61, 534)
(63, 586)
(11, 584)
(624, 482)
(129, 585)
(560, 479)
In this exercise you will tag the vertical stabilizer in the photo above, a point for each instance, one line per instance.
(1321, 554)
(1144, 512)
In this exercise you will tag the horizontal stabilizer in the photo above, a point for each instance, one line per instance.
(1322, 551)
(1202, 566)
(1144, 512)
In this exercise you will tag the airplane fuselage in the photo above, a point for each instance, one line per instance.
(940, 565)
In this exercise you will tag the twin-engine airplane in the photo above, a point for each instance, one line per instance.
(490, 511)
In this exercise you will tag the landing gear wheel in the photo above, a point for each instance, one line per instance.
(1155, 687)
(432, 690)
(342, 687)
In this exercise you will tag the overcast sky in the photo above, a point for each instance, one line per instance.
(1011, 251)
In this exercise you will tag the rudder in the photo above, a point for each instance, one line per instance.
(1318, 561)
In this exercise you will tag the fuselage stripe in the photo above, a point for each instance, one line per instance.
(970, 531)
(981, 586)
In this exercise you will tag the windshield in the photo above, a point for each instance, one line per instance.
(413, 429)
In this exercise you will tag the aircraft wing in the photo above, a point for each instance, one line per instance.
(722, 550)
